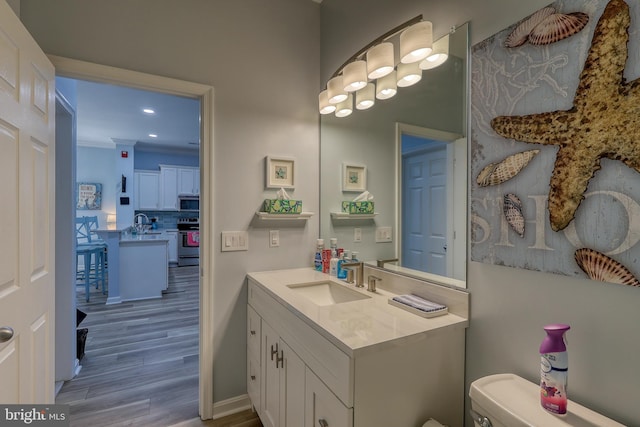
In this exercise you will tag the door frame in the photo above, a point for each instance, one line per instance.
(72, 68)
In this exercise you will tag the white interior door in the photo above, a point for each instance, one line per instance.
(424, 211)
(27, 120)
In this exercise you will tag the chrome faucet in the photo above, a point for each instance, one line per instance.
(359, 274)
(140, 227)
(381, 262)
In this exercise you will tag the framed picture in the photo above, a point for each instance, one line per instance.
(354, 177)
(89, 196)
(280, 172)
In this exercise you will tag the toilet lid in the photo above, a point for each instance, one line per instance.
(514, 401)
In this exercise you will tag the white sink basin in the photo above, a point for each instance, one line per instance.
(326, 293)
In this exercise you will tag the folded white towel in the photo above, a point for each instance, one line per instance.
(432, 423)
(419, 303)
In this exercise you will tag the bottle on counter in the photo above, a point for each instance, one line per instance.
(317, 259)
(554, 369)
(342, 272)
(333, 263)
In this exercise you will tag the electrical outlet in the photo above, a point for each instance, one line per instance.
(383, 235)
(357, 234)
(274, 238)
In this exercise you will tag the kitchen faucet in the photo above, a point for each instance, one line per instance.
(139, 222)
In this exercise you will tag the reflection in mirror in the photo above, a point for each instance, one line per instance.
(433, 109)
(431, 200)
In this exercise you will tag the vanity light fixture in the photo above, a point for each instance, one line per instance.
(366, 97)
(439, 54)
(355, 76)
(409, 74)
(415, 42)
(380, 60)
(374, 73)
(324, 105)
(335, 90)
(345, 108)
(387, 87)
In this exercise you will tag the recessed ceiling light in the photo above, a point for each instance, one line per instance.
(153, 135)
(148, 111)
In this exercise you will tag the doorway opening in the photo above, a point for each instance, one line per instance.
(431, 205)
(68, 68)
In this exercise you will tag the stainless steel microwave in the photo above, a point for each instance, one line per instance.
(188, 203)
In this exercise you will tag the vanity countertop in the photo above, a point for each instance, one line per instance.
(355, 326)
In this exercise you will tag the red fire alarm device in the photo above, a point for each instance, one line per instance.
(124, 154)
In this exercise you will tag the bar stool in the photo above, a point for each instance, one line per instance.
(93, 256)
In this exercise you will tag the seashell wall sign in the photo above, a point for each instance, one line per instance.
(554, 129)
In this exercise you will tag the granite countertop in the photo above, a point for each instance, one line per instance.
(148, 237)
(355, 326)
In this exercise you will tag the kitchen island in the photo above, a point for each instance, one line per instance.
(138, 264)
(144, 270)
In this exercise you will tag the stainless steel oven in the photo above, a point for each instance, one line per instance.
(188, 241)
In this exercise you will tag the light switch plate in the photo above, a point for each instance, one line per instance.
(274, 238)
(383, 235)
(234, 241)
(357, 234)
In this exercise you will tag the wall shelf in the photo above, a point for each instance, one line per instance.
(285, 217)
(344, 215)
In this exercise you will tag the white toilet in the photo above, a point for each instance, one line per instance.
(507, 400)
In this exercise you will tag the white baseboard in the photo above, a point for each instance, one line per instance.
(231, 406)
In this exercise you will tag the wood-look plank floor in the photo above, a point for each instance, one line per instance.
(141, 359)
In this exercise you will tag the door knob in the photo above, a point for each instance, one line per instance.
(6, 333)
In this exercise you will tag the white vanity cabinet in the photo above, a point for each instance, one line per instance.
(331, 367)
(276, 376)
(283, 373)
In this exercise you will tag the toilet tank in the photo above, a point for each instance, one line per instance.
(508, 400)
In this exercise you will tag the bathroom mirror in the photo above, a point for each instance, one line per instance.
(427, 119)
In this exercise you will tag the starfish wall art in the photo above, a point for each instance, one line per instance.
(555, 147)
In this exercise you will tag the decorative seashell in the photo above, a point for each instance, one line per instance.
(557, 27)
(521, 33)
(600, 267)
(512, 208)
(497, 173)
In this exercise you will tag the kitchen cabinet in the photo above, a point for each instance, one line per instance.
(364, 362)
(146, 190)
(188, 181)
(173, 247)
(177, 180)
(168, 188)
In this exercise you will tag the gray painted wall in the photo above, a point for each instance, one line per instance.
(190, 40)
(263, 60)
(509, 306)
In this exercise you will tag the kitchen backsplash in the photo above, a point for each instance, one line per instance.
(167, 220)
